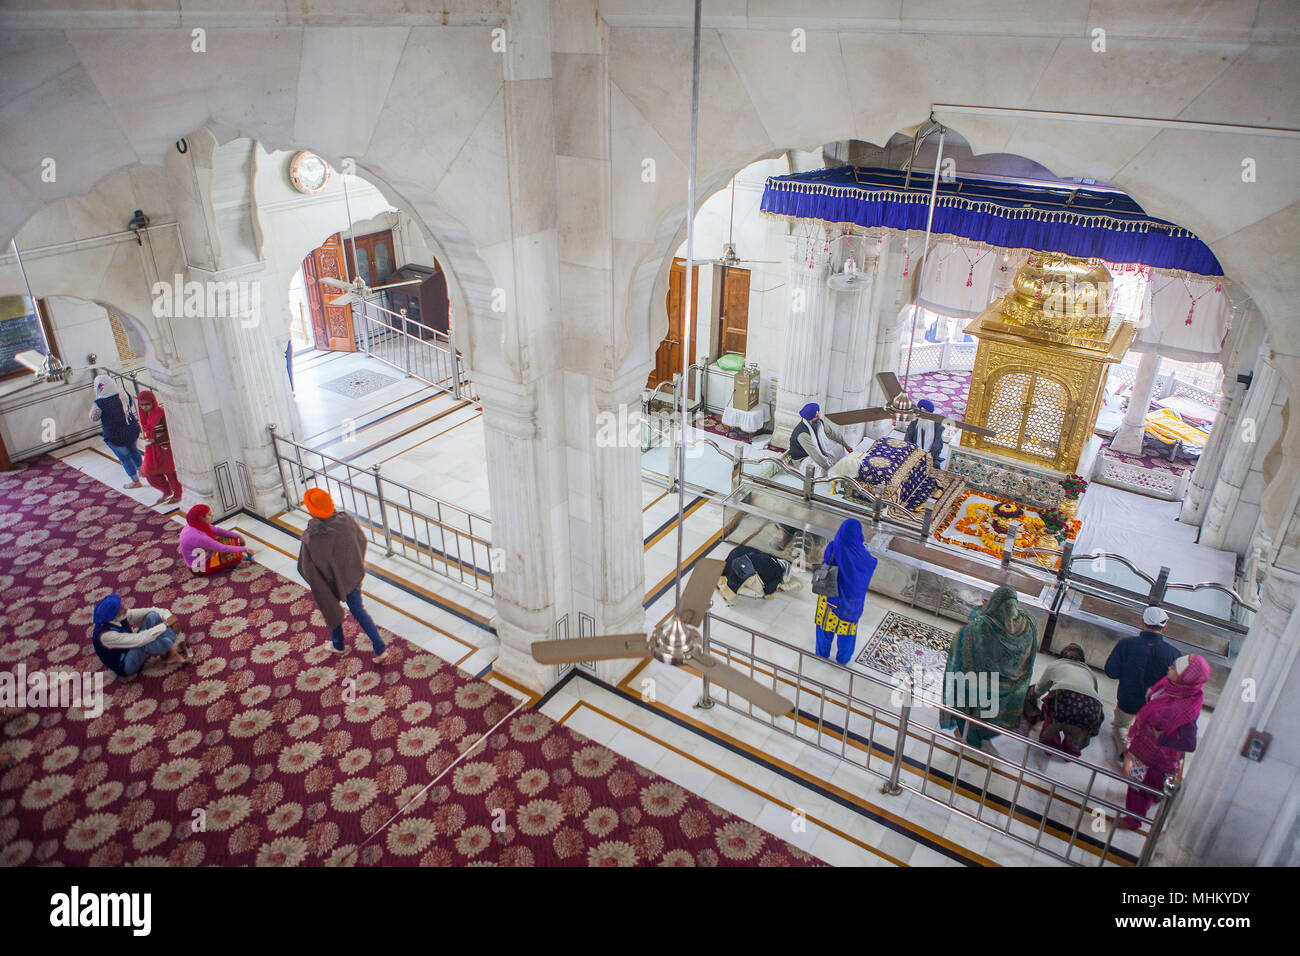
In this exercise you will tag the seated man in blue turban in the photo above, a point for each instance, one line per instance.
(125, 639)
(816, 439)
(927, 434)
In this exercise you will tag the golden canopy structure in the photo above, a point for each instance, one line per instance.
(1040, 370)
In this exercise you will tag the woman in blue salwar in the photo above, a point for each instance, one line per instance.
(837, 617)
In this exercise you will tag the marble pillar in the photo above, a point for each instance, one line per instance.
(1233, 811)
(523, 562)
(1239, 457)
(1210, 464)
(805, 354)
(1128, 437)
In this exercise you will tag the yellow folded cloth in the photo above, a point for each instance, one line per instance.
(1166, 426)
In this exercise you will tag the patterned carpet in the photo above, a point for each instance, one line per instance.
(359, 383)
(902, 643)
(946, 389)
(268, 749)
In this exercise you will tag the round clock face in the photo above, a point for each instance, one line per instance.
(308, 172)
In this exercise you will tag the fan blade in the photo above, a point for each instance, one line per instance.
(858, 416)
(346, 299)
(603, 648)
(334, 283)
(699, 590)
(763, 262)
(707, 262)
(957, 423)
(395, 285)
(740, 684)
(889, 382)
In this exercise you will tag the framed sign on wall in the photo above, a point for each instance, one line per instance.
(24, 326)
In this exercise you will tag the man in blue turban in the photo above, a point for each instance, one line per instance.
(816, 439)
(927, 434)
(125, 639)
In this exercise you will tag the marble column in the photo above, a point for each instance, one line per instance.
(1210, 464)
(614, 546)
(523, 562)
(1239, 458)
(1129, 435)
(1233, 811)
(805, 355)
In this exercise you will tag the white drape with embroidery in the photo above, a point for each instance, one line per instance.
(1184, 318)
(959, 278)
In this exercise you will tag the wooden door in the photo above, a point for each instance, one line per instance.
(733, 323)
(319, 338)
(668, 358)
(336, 320)
(374, 261)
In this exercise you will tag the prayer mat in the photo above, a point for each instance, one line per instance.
(901, 643)
(358, 384)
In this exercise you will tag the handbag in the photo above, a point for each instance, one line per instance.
(826, 580)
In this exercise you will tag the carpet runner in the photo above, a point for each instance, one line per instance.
(270, 750)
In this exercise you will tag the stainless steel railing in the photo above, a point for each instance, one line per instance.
(449, 540)
(412, 347)
(1065, 807)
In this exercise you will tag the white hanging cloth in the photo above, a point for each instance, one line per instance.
(1184, 319)
(958, 280)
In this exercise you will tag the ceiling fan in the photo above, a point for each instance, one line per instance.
(729, 259)
(45, 368)
(356, 290)
(678, 640)
(900, 407)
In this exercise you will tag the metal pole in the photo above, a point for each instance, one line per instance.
(279, 466)
(687, 306)
(1157, 596)
(926, 519)
(1157, 827)
(891, 787)
(705, 702)
(875, 505)
(1009, 544)
(406, 345)
(925, 253)
(383, 512)
(808, 481)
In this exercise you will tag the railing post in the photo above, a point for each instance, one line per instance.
(1009, 543)
(455, 370)
(1067, 557)
(808, 481)
(1158, 825)
(875, 505)
(383, 511)
(926, 519)
(891, 786)
(738, 460)
(406, 346)
(1157, 595)
(279, 466)
(705, 702)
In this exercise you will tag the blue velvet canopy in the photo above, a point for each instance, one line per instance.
(1076, 221)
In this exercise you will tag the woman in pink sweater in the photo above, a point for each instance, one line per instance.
(206, 548)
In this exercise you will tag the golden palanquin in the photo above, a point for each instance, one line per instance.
(1044, 352)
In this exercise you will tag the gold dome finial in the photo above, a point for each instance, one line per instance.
(1062, 294)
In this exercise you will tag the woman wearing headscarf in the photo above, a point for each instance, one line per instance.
(124, 639)
(120, 430)
(1072, 708)
(159, 466)
(992, 654)
(1164, 730)
(837, 617)
(332, 561)
(205, 547)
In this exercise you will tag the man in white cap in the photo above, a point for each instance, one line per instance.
(1138, 662)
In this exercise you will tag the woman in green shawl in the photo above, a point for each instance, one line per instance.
(989, 665)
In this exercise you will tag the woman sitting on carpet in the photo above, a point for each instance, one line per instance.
(993, 654)
(1072, 709)
(206, 548)
(837, 617)
(1164, 730)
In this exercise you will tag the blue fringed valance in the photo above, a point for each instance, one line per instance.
(1090, 223)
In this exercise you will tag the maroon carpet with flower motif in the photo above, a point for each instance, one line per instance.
(269, 749)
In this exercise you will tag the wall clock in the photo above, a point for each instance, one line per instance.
(308, 172)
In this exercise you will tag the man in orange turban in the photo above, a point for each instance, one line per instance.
(332, 560)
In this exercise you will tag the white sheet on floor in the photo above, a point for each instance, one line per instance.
(1147, 532)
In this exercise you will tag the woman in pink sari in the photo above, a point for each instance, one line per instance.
(1164, 730)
